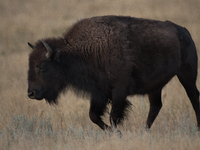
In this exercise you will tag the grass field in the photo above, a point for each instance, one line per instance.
(29, 124)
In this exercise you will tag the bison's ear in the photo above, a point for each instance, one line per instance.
(32, 46)
(57, 54)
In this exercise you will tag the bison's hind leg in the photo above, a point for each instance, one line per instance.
(155, 106)
(187, 76)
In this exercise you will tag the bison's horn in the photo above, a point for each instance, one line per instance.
(32, 46)
(49, 50)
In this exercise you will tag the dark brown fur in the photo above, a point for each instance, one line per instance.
(111, 57)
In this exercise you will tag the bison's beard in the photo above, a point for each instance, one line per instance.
(52, 96)
(52, 93)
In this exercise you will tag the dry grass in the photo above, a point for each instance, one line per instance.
(29, 124)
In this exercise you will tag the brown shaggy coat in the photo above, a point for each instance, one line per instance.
(111, 57)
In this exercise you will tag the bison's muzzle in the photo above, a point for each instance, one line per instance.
(35, 94)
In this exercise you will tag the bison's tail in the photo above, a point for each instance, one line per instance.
(188, 48)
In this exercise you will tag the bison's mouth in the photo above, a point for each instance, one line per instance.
(50, 97)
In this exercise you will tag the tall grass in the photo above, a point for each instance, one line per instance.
(31, 124)
(40, 133)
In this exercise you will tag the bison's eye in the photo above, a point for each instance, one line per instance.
(42, 66)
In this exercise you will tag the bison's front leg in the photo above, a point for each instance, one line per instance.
(120, 106)
(97, 109)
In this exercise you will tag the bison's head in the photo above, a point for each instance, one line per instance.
(45, 76)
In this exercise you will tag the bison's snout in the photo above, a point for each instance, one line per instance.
(34, 94)
(31, 94)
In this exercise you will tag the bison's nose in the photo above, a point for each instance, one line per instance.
(31, 94)
(35, 94)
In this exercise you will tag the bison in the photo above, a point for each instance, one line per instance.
(111, 57)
